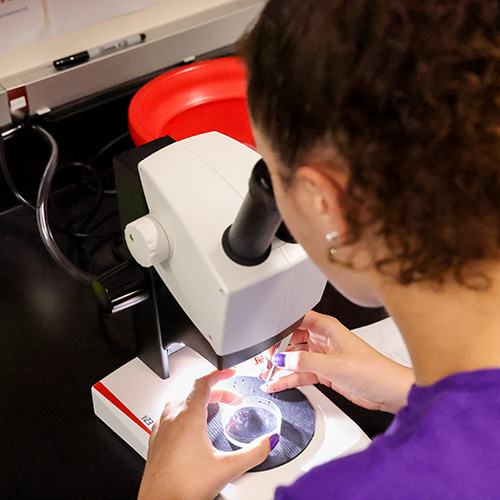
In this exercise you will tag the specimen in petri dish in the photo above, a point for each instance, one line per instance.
(250, 419)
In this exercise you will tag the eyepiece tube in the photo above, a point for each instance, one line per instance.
(248, 240)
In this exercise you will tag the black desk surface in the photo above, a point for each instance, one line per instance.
(53, 348)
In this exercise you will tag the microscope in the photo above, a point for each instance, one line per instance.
(216, 280)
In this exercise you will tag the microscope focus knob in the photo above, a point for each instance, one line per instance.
(147, 241)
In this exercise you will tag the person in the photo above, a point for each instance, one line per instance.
(379, 121)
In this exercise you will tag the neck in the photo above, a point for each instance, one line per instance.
(449, 329)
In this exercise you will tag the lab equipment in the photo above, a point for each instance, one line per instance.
(209, 234)
(298, 418)
(186, 207)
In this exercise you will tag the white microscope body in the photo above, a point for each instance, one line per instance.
(194, 190)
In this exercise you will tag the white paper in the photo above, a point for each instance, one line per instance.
(21, 22)
(70, 15)
(386, 338)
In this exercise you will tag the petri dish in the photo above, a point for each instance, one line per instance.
(250, 419)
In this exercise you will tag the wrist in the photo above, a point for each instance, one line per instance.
(400, 385)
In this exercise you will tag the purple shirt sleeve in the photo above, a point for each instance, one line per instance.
(444, 445)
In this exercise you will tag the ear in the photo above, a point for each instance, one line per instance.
(320, 192)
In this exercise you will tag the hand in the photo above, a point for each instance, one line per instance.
(324, 351)
(182, 462)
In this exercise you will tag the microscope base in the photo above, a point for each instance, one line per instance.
(131, 398)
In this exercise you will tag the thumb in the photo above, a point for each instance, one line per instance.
(241, 460)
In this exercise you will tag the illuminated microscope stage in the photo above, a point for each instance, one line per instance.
(131, 398)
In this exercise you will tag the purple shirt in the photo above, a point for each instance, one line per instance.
(444, 445)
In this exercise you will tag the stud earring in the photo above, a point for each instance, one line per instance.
(330, 238)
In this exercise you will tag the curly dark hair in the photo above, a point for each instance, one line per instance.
(408, 91)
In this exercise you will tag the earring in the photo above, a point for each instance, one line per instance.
(330, 238)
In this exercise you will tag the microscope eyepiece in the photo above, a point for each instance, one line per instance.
(248, 240)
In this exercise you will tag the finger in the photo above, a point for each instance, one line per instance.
(217, 376)
(311, 318)
(291, 347)
(264, 373)
(223, 396)
(301, 361)
(201, 390)
(154, 432)
(169, 407)
(323, 325)
(302, 346)
(277, 373)
(300, 336)
(290, 382)
(239, 461)
(304, 362)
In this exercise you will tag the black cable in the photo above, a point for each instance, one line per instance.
(89, 235)
(6, 173)
(41, 208)
(103, 150)
(109, 145)
(88, 212)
